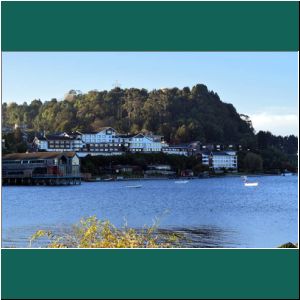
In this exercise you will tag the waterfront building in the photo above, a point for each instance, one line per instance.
(145, 143)
(41, 168)
(106, 141)
(218, 160)
(105, 149)
(165, 170)
(176, 150)
(118, 169)
(58, 142)
(103, 135)
(190, 149)
(40, 144)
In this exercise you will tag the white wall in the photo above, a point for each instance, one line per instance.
(104, 136)
(144, 144)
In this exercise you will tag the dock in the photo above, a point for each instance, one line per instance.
(41, 168)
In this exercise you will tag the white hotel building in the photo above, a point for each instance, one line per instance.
(144, 143)
(218, 160)
(108, 142)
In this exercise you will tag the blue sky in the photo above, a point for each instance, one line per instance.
(263, 85)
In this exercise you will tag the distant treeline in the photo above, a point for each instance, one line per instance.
(180, 115)
(98, 165)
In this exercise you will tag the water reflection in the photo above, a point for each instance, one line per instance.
(204, 237)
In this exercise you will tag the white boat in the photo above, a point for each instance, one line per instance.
(134, 186)
(181, 181)
(287, 174)
(251, 183)
(246, 183)
(108, 179)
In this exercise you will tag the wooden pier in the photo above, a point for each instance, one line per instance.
(47, 181)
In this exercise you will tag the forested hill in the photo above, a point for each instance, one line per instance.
(180, 115)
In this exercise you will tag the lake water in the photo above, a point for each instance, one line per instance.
(214, 212)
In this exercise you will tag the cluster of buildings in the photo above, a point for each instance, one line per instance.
(41, 168)
(106, 141)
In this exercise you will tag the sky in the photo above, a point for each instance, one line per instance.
(263, 85)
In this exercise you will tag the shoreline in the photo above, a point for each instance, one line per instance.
(184, 178)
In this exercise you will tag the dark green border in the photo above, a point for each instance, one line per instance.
(179, 274)
(217, 26)
(150, 26)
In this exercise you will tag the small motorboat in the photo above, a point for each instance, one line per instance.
(108, 179)
(181, 181)
(251, 183)
(246, 183)
(134, 186)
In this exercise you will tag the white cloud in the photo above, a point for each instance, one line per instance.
(279, 124)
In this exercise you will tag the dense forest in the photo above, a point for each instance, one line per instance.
(180, 115)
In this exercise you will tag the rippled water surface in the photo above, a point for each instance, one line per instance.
(216, 212)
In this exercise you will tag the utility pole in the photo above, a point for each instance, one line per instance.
(116, 84)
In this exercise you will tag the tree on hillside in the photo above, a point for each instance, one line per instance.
(253, 162)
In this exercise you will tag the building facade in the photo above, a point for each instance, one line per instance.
(218, 160)
(145, 143)
(106, 141)
(176, 150)
(44, 167)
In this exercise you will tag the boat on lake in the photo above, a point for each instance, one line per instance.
(246, 183)
(134, 186)
(108, 179)
(181, 181)
(251, 183)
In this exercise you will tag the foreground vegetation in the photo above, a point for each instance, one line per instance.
(289, 245)
(94, 233)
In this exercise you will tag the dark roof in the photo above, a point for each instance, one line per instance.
(177, 146)
(147, 136)
(36, 155)
(95, 132)
(59, 137)
(125, 135)
(139, 135)
(88, 132)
